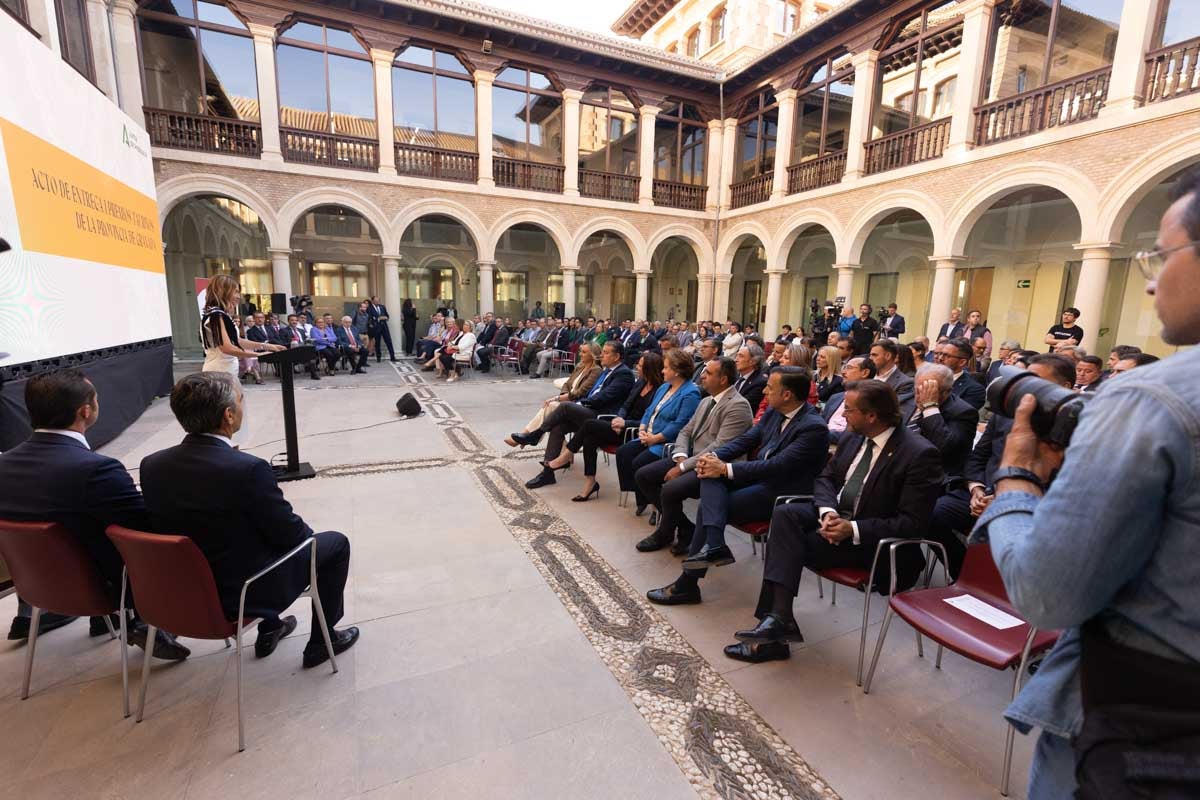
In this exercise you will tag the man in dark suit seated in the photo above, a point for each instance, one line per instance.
(885, 355)
(259, 332)
(858, 368)
(55, 477)
(613, 385)
(230, 505)
(1007, 348)
(882, 482)
(350, 346)
(784, 453)
(956, 511)
(488, 328)
(752, 381)
(947, 421)
(956, 354)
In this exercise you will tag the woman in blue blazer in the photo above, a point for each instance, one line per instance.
(670, 409)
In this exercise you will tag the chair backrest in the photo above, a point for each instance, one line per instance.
(172, 582)
(53, 570)
(980, 576)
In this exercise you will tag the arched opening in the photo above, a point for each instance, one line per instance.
(612, 288)
(335, 252)
(1021, 265)
(896, 268)
(747, 302)
(676, 280)
(229, 226)
(526, 259)
(810, 278)
(437, 258)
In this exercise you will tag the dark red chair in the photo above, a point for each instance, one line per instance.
(510, 356)
(629, 435)
(565, 359)
(176, 591)
(927, 611)
(53, 572)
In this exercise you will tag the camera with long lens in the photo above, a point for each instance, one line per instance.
(1056, 413)
(300, 302)
(882, 314)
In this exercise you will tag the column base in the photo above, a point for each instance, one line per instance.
(646, 202)
(272, 156)
(486, 183)
(852, 175)
(957, 149)
(1120, 105)
(570, 193)
(385, 170)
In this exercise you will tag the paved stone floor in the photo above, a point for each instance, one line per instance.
(506, 648)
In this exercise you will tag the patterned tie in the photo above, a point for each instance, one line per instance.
(854, 483)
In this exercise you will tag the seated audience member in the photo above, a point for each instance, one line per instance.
(1073, 351)
(828, 375)
(721, 417)
(980, 361)
(1021, 358)
(612, 387)
(956, 354)
(325, 340)
(637, 343)
(350, 345)
(858, 368)
(54, 476)
(957, 509)
(705, 350)
(905, 361)
(949, 422)
(1007, 348)
(1087, 374)
(1139, 360)
(229, 504)
(545, 351)
(752, 381)
(919, 352)
(845, 347)
(594, 434)
(843, 525)
(296, 335)
(248, 367)
(784, 453)
(772, 360)
(257, 330)
(786, 333)
(457, 353)
(485, 336)
(926, 347)
(433, 338)
(448, 336)
(1118, 353)
(576, 387)
(885, 355)
(732, 342)
(276, 333)
(795, 355)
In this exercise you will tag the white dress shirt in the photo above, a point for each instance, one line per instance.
(783, 427)
(224, 439)
(76, 435)
(880, 440)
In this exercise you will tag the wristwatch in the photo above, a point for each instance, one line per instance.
(1017, 474)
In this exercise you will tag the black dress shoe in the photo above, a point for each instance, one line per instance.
(680, 547)
(716, 557)
(315, 652)
(166, 646)
(98, 628)
(652, 542)
(667, 596)
(530, 439)
(543, 478)
(20, 625)
(637, 512)
(772, 629)
(758, 653)
(269, 640)
(654, 518)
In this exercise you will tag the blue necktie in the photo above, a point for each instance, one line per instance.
(599, 383)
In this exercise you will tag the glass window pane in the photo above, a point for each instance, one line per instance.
(447, 62)
(421, 56)
(1018, 48)
(666, 155)
(809, 112)
(16, 8)
(837, 127)
(305, 32)
(539, 81)
(821, 74)
(170, 61)
(456, 114)
(73, 35)
(694, 149)
(943, 97)
(545, 129)
(1180, 23)
(230, 80)
(180, 8)
(511, 75)
(508, 122)
(301, 76)
(897, 74)
(1085, 37)
(218, 14)
(343, 40)
(352, 96)
(327, 280)
(748, 135)
(412, 107)
(623, 141)
(939, 65)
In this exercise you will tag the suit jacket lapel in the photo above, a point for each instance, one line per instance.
(884, 462)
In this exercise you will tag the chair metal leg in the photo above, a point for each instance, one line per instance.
(319, 616)
(862, 640)
(228, 643)
(753, 546)
(34, 620)
(112, 633)
(887, 620)
(241, 715)
(938, 664)
(820, 589)
(1008, 739)
(124, 648)
(151, 633)
(920, 647)
(834, 601)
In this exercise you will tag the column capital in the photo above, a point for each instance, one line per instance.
(485, 264)
(257, 31)
(722, 277)
(574, 95)
(387, 57)
(649, 111)
(775, 271)
(715, 124)
(840, 267)
(484, 76)
(1106, 246)
(642, 272)
(729, 123)
(976, 7)
(865, 58)
(951, 261)
(787, 95)
(391, 257)
(279, 251)
(130, 7)
(569, 268)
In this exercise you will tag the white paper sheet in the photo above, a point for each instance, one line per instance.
(985, 612)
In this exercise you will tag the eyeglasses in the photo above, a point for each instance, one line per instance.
(1152, 262)
(937, 354)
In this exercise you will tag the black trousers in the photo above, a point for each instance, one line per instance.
(425, 348)
(795, 544)
(333, 565)
(357, 358)
(382, 332)
(566, 418)
(668, 497)
(484, 354)
(951, 516)
(631, 457)
(410, 338)
(593, 435)
(721, 503)
(330, 356)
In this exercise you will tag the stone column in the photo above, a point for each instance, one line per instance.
(704, 297)
(382, 59)
(483, 125)
(728, 150)
(568, 279)
(1089, 293)
(641, 300)
(281, 270)
(942, 295)
(845, 281)
(720, 310)
(646, 117)
(102, 54)
(713, 166)
(972, 60)
(783, 145)
(268, 93)
(392, 299)
(128, 69)
(487, 291)
(865, 65)
(1138, 20)
(570, 111)
(774, 298)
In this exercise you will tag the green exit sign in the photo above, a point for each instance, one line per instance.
(1024, 284)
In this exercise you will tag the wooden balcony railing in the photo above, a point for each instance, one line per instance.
(749, 192)
(922, 143)
(816, 172)
(672, 194)
(1172, 71)
(205, 134)
(513, 174)
(608, 185)
(434, 162)
(329, 150)
(1060, 103)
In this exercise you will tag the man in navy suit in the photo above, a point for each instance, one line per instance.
(956, 354)
(785, 452)
(954, 328)
(348, 343)
(378, 313)
(230, 504)
(55, 477)
(893, 325)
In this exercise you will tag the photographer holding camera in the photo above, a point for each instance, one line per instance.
(1111, 552)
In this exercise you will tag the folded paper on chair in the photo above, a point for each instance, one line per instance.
(984, 612)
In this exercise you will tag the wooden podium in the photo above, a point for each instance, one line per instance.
(294, 470)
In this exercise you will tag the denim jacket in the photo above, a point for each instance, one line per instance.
(1116, 536)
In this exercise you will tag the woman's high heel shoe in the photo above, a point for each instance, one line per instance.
(583, 498)
(546, 465)
(531, 438)
(508, 440)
